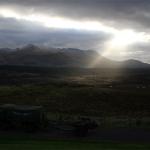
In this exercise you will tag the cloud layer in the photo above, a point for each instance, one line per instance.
(119, 14)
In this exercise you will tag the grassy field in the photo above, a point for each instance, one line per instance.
(69, 145)
(66, 98)
(114, 98)
(91, 92)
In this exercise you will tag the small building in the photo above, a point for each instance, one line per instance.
(29, 118)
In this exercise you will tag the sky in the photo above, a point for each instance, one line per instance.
(117, 29)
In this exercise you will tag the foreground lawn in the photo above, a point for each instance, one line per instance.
(68, 145)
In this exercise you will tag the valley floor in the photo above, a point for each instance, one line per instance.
(119, 100)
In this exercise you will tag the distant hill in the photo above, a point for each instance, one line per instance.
(32, 55)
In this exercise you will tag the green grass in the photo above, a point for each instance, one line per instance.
(66, 98)
(69, 145)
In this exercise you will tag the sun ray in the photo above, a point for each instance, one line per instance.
(121, 39)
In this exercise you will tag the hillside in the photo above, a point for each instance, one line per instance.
(31, 55)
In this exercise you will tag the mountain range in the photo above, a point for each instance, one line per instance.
(32, 55)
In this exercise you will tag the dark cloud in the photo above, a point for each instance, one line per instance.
(120, 13)
(22, 33)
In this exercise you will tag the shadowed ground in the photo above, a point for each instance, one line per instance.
(69, 145)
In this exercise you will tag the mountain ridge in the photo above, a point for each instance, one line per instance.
(62, 57)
